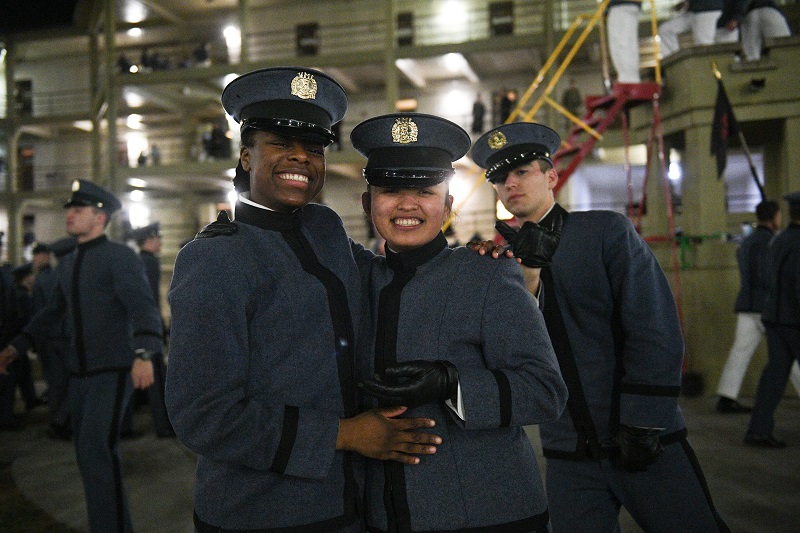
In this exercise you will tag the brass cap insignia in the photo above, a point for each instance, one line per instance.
(304, 86)
(404, 131)
(76, 185)
(497, 140)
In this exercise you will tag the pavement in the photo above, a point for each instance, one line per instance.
(756, 490)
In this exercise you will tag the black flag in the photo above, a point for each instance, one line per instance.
(723, 127)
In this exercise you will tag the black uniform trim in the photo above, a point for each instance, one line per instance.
(404, 265)
(587, 444)
(291, 415)
(98, 371)
(290, 227)
(650, 390)
(605, 453)
(533, 524)
(334, 524)
(113, 436)
(687, 448)
(80, 345)
(504, 391)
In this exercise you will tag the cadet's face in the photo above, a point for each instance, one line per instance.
(152, 245)
(408, 217)
(527, 192)
(285, 172)
(84, 221)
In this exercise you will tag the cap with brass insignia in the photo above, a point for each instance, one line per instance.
(511, 145)
(409, 149)
(293, 101)
(86, 193)
(145, 232)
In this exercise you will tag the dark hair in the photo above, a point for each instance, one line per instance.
(766, 210)
(241, 180)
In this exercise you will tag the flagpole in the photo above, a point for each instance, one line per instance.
(743, 141)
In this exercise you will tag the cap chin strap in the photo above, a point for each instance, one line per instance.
(407, 177)
(289, 125)
(501, 168)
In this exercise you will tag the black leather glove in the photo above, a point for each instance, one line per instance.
(638, 448)
(414, 383)
(533, 244)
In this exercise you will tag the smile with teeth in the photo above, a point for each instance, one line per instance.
(294, 177)
(407, 222)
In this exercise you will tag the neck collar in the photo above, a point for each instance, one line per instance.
(266, 218)
(93, 242)
(408, 261)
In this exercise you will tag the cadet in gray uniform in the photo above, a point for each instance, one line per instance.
(148, 239)
(614, 326)
(261, 378)
(781, 318)
(55, 346)
(457, 337)
(115, 329)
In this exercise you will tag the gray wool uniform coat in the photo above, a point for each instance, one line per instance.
(625, 337)
(102, 296)
(437, 303)
(260, 369)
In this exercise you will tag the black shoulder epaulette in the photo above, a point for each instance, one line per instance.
(221, 226)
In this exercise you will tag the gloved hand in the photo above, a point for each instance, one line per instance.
(414, 383)
(638, 448)
(533, 244)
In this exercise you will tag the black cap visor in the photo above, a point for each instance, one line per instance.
(503, 162)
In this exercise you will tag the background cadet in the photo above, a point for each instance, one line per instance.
(614, 326)
(148, 240)
(53, 350)
(753, 288)
(114, 327)
(781, 317)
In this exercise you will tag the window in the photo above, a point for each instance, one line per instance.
(501, 18)
(308, 39)
(405, 29)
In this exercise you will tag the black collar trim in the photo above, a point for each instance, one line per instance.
(407, 261)
(94, 242)
(267, 219)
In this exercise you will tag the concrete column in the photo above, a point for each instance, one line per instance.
(392, 74)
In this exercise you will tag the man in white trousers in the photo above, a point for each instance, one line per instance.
(754, 284)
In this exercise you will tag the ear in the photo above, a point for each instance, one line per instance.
(244, 155)
(366, 203)
(448, 203)
(552, 178)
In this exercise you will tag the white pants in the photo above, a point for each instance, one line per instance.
(749, 332)
(623, 41)
(759, 24)
(703, 26)
(724, 35)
